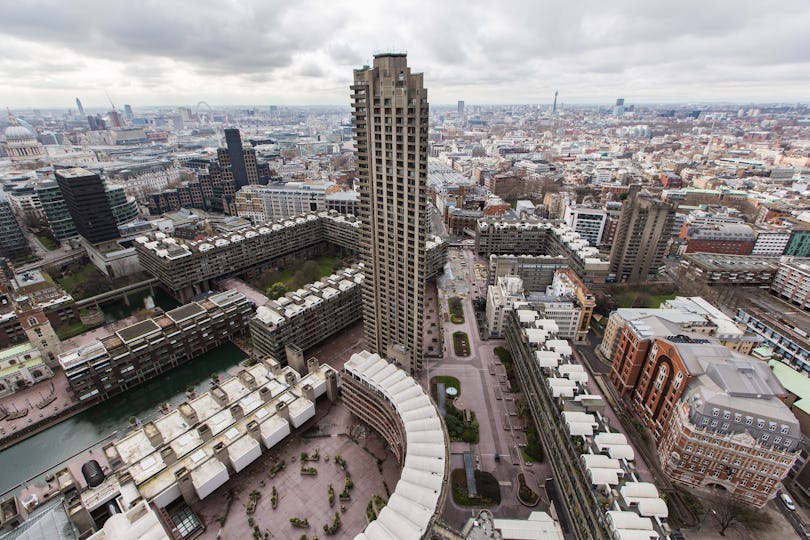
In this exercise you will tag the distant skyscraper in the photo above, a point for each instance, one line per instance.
(391, 134)
(81, 109)
(12, 239)
(237, 158)
(618, 109)
(641, 237)
(128, 112)
(461, 108)
(88, 204)
(554, 107)
(115, 119)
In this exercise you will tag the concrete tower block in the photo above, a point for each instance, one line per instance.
(187, 489)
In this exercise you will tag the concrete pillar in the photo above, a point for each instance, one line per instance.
(221, 453)
(295, 357)
(188, 413)
(247, 378)
(265, 393)
(308, 392)
(153, 434)
(205, 432)
(290, 378)
(187, 489)
(254, 430)
(332, 385)
(283, 411)
(219, 396)
(312, 365)
(168, 455)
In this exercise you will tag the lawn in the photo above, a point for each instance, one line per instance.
(68, 331)
(456, 310)
(47, 242)
(641, 300)
(489, 491)
(299, 272)
(449, 382)
(85, 282)
(461, 344)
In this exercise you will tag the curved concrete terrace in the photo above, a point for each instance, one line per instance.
(394, 404)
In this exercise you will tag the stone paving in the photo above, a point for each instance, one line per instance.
(483, 393)
(373, 469)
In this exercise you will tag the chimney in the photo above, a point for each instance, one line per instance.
(282, 410)
(168, 455)
(308, 392)
(153, 434)
(265, 393)
(205, 433)
(247, 378)
(332, 385)
(237, 412)
(187, 489)
(254, 430)
(221, 453)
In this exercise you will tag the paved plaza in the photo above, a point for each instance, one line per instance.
(334, 431)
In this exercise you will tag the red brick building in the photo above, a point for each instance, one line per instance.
(716, 415)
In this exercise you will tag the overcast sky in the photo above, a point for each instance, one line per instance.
(154, 52)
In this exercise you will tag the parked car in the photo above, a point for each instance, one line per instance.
(787, 501)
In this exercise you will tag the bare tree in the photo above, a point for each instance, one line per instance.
(730, 513)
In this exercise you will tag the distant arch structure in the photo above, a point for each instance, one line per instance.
(209, 116)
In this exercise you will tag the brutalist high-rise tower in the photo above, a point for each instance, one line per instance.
(642, 233)
(391, 134)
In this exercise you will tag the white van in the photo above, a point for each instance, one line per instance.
(787, 501)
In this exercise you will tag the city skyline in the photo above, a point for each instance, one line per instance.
(521, 53)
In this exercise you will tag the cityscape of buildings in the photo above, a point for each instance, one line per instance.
(624, 287)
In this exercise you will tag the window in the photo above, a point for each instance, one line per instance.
(785, 429)
(765, 436)
(777, 440)
(771, 426)
(760, 423)
(726, 415)
(749, 420)
(715, 412)
(737, 417)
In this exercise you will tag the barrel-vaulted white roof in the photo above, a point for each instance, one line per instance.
(414, 501)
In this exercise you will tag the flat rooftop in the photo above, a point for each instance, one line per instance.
(138, 330)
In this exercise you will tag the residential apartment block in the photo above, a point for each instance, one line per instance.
(307, 316)
(395, 405)
(784, 337)
(592, 463)
(792, 282)
(536, 237)
(390, 118)
(142, 351)
(188, 268)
